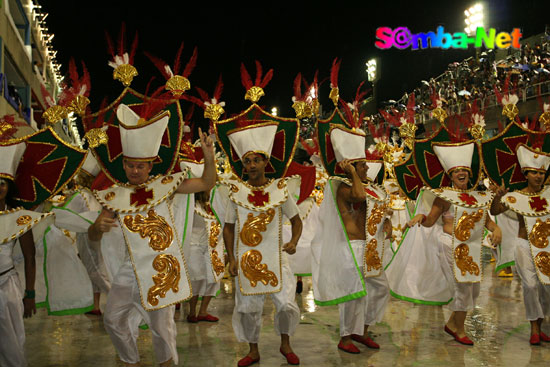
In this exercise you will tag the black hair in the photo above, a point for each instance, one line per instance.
(10, 195)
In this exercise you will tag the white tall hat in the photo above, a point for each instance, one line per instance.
(348, 144)
(11, 153)
(140, 138)
(374, 169)
(90, 165)
(530, 159)
(455, 155)
(257, 138)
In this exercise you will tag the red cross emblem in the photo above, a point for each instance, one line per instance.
(467, 199)
(141, 196)
(537, 203)
(258, 198)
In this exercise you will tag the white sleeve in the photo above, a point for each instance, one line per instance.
(290, 209)
(230, 212)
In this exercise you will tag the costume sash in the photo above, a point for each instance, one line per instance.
(150, 234)
(470, 212)
(16, 222)
(536, 215)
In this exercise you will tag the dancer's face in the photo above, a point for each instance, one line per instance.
(254, 165)
(460, 177)
(137, 172)
(3, 189)
(535, 178)
(361, 167)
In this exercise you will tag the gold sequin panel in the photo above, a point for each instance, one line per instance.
(372, 260)
(153, 226)
(464, 262)
(168, 277)
(215, 229)
(251, 232)
(466, 223)
(542, 261)
(539, 233)
(217, 263)
(255, 271)
(375, 218)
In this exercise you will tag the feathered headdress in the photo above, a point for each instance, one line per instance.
(254, 90)
(122, 61)
(213, 107)
(77, 90)
(508, 99)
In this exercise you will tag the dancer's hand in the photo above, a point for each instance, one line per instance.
(29, 307)
(496, 237)
(499, 190)
(290, 248)
(417, 219)
(232, 267)
(207, 145)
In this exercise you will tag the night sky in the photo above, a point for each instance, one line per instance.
(288, 37)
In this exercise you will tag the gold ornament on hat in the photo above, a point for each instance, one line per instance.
(440, 114)
(55, 113)
(477, 131)
(254, 94)
(213, 111)
(303, 110)
(407, 131)
(545, 120)
(510, 110)
(178, 85)
(96, 137)
(125, 73)
(78, 105)
(334, 95)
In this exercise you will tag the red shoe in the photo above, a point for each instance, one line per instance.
(247, 361)
(450, 332)
(291, 358)
(366, 341)
(208, 318)
(192, 319)
(178, 306)
(535, 339)
(94, 312)
(350, 348)
(464, 340)
(544, 337)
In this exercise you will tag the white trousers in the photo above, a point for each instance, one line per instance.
(247, 314)
(120, 321)
(12, 329)
(536, 296)
(368, 310)
(464, 294)
(199, 264)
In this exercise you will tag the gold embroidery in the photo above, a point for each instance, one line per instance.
(110, 196)
(78, 105)
(466, 223)
(440, 114)
(168, 277)
(217, 264)
(55, 113)
(215, 229)
(511, 199)
(250, 233)
(254, 94)
(539, 233)
(23, 220)
(464, 262)
(167, 180)
(178, 85)
(125, 73)
(375, 217)
(510, 111)
(213, 112)
(153, 226)
(334, 95)
(256, 272)
(96, 137)
(542, 261)
(372, 260)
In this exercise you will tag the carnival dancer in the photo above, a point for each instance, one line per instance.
(463, 212)
(154, 274)
(206, 249)
(530, 204)
(349, 247)
(259, 147)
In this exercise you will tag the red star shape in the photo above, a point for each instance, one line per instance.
(467, 198)
(141, 196)
(258, 198)
(537, 203)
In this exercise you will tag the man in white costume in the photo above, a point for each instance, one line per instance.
(154, 275)
(254, 243)
(532, 259)
(15, 225)
(349, 248)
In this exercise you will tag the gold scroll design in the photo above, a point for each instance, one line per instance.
(464, 262)
(217, 263)
(153, 226)
(375, 218)
(466, 223)
(168, 277)
(542, 261)
(372, 260)
(539, 233)
(251, 232)
(255, 271)
(215, 229)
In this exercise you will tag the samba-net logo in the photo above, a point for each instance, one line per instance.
(402, 38)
